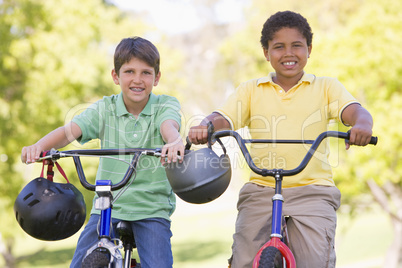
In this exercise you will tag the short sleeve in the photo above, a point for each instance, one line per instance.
(91, 122)
(339, 98)
(236, 108)
(168, 108)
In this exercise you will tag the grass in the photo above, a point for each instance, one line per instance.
(40, 254)
(365, 241)
(203, 236)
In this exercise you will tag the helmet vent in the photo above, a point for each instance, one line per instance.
(58, 215)
(76, 218)
(60, 191)
(33, 203)
(69, 215)
(28, 196)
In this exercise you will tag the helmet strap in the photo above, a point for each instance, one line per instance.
(50, 172)
(221, 144)
(211, 130)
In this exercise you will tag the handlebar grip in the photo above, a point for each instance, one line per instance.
(210, 130)
(373, 140)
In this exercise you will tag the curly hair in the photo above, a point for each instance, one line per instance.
(285, 19)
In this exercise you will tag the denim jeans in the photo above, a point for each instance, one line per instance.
(152, 237)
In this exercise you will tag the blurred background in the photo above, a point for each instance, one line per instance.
(56, 57)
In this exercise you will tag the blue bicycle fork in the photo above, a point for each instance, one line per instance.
(277, 203)
(103, 202)
(103, 189)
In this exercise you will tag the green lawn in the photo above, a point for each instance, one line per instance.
(203, 236)
(365, 242)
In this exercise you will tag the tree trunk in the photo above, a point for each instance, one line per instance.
(6, 252)
(389, 196)
(394, 254)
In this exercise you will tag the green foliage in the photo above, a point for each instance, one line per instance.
(54, 56)
(369, 61)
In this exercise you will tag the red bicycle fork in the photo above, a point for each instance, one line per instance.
(285, 251)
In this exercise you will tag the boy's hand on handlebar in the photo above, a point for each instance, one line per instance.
(30, 154)
(198, 134)
(359, 135)
(171, 151)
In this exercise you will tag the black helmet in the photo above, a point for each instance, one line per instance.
(50, 211)
(202, 176)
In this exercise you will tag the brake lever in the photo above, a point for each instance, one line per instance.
(188, 144)
(157, 153)
(53, 155)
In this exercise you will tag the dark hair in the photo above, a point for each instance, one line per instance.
(139, 48)
(283, 19)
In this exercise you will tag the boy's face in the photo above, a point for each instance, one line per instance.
(136, 79)
(288, 53)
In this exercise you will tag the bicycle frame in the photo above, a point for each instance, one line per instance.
(278, 174)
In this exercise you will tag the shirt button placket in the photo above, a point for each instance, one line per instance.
(130, 129)
(136, 133)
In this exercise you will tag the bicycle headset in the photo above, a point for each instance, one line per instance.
(202, 177)
(50, 211)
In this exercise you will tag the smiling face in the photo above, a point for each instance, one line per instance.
(288, 53)
(136, 79)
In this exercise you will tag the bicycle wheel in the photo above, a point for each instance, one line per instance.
(97, 259)
(271, 257)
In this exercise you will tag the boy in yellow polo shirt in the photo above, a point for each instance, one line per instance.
(288, 104)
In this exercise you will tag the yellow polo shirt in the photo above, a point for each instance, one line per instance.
(303, 112)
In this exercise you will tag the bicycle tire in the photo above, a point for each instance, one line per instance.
(97, 259)
(271, 257)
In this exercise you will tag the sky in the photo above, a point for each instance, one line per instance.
(169, 15)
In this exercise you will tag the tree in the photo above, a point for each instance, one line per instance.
(55, 55)
(371, 69)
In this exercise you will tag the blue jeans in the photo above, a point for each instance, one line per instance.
(152, 237)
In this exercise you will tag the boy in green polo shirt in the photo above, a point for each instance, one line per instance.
(288, 104)
(136, 118)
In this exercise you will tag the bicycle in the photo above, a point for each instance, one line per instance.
(106, 251)
(275, 252)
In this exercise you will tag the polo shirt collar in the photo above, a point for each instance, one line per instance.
(122, 110)
(149, 109)
(309, 78)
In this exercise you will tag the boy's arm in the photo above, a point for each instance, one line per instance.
(58, 138)
(174, 145)
(362, 123)
(199, 134)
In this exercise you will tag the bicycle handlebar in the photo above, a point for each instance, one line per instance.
(55, 155)
(272, 172)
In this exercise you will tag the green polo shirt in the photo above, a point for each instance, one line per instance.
(150, 195)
